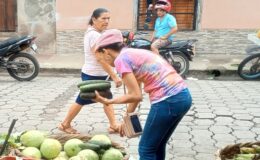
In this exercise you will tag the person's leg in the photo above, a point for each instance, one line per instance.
(73, 111)
(71, 114)
(159, 43)
(183, 101)
(154, 46)
(160, 153)
(157, 124)
(161, 122)
(109, 111)
(76, 107)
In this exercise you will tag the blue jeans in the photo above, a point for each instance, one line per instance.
(85, 77)
(161, 122)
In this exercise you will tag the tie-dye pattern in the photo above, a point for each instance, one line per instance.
(152, 70)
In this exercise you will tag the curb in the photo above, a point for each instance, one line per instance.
(193, 74)
(192, 71)
(208, 74)
(60, 70)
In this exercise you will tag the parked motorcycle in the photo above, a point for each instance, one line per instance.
(20, 65)
(249, 68)
(178, 53)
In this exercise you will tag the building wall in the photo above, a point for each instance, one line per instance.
(72, 20)
(226, 42)
(37, 17)
(216, 32)
(222, 25)
(230, 14)
(73, 15)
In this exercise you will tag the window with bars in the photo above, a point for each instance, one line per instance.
(8, 18)
(183, 10)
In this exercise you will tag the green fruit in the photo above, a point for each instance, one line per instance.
(32, 138)
(102, 140)
(83, 83)
(92, 95)
(32, 152)
(88, 154)
(93, 147)
(247, 150)
(76, 158)
(244, 156)
(95, 86)
(112, 154)
(62, 156)
(71, 147)
(257, 148)
(50, 148)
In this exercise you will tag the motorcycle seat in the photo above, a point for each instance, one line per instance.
(10, 41)
(3, 51)
(177, 44)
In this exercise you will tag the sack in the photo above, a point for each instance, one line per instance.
(133, 127)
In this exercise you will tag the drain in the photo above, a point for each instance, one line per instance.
(216, 73)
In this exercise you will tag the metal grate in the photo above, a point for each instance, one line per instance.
(183, 10)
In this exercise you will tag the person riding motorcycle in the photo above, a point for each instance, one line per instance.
(165, 26)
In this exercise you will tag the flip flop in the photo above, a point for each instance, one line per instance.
(68, 130)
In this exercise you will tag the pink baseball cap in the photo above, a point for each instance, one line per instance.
(109, 37)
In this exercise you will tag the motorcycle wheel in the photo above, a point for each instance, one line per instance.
(178, 61)
(23, 66)
(249, 68)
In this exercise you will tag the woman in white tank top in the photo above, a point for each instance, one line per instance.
(94, 68)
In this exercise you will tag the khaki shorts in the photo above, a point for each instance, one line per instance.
(159, 43)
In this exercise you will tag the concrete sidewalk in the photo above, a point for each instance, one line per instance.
(201, 63)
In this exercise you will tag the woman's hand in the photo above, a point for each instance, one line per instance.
(101, 99)
(118, 82)
(122, 129)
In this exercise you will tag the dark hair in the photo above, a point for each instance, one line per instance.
(114, 46)
(97, 13)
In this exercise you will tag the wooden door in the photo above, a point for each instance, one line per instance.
(183, 10)
(8, 17)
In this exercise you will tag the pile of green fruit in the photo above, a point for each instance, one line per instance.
(248, 153)
(88, 88)
(37, 145)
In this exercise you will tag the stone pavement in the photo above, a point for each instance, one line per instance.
(223, 112)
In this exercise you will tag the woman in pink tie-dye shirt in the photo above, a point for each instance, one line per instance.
(170, 99)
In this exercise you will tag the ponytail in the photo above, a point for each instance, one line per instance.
(96, 14)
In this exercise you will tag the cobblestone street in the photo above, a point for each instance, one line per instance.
(223, 112)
